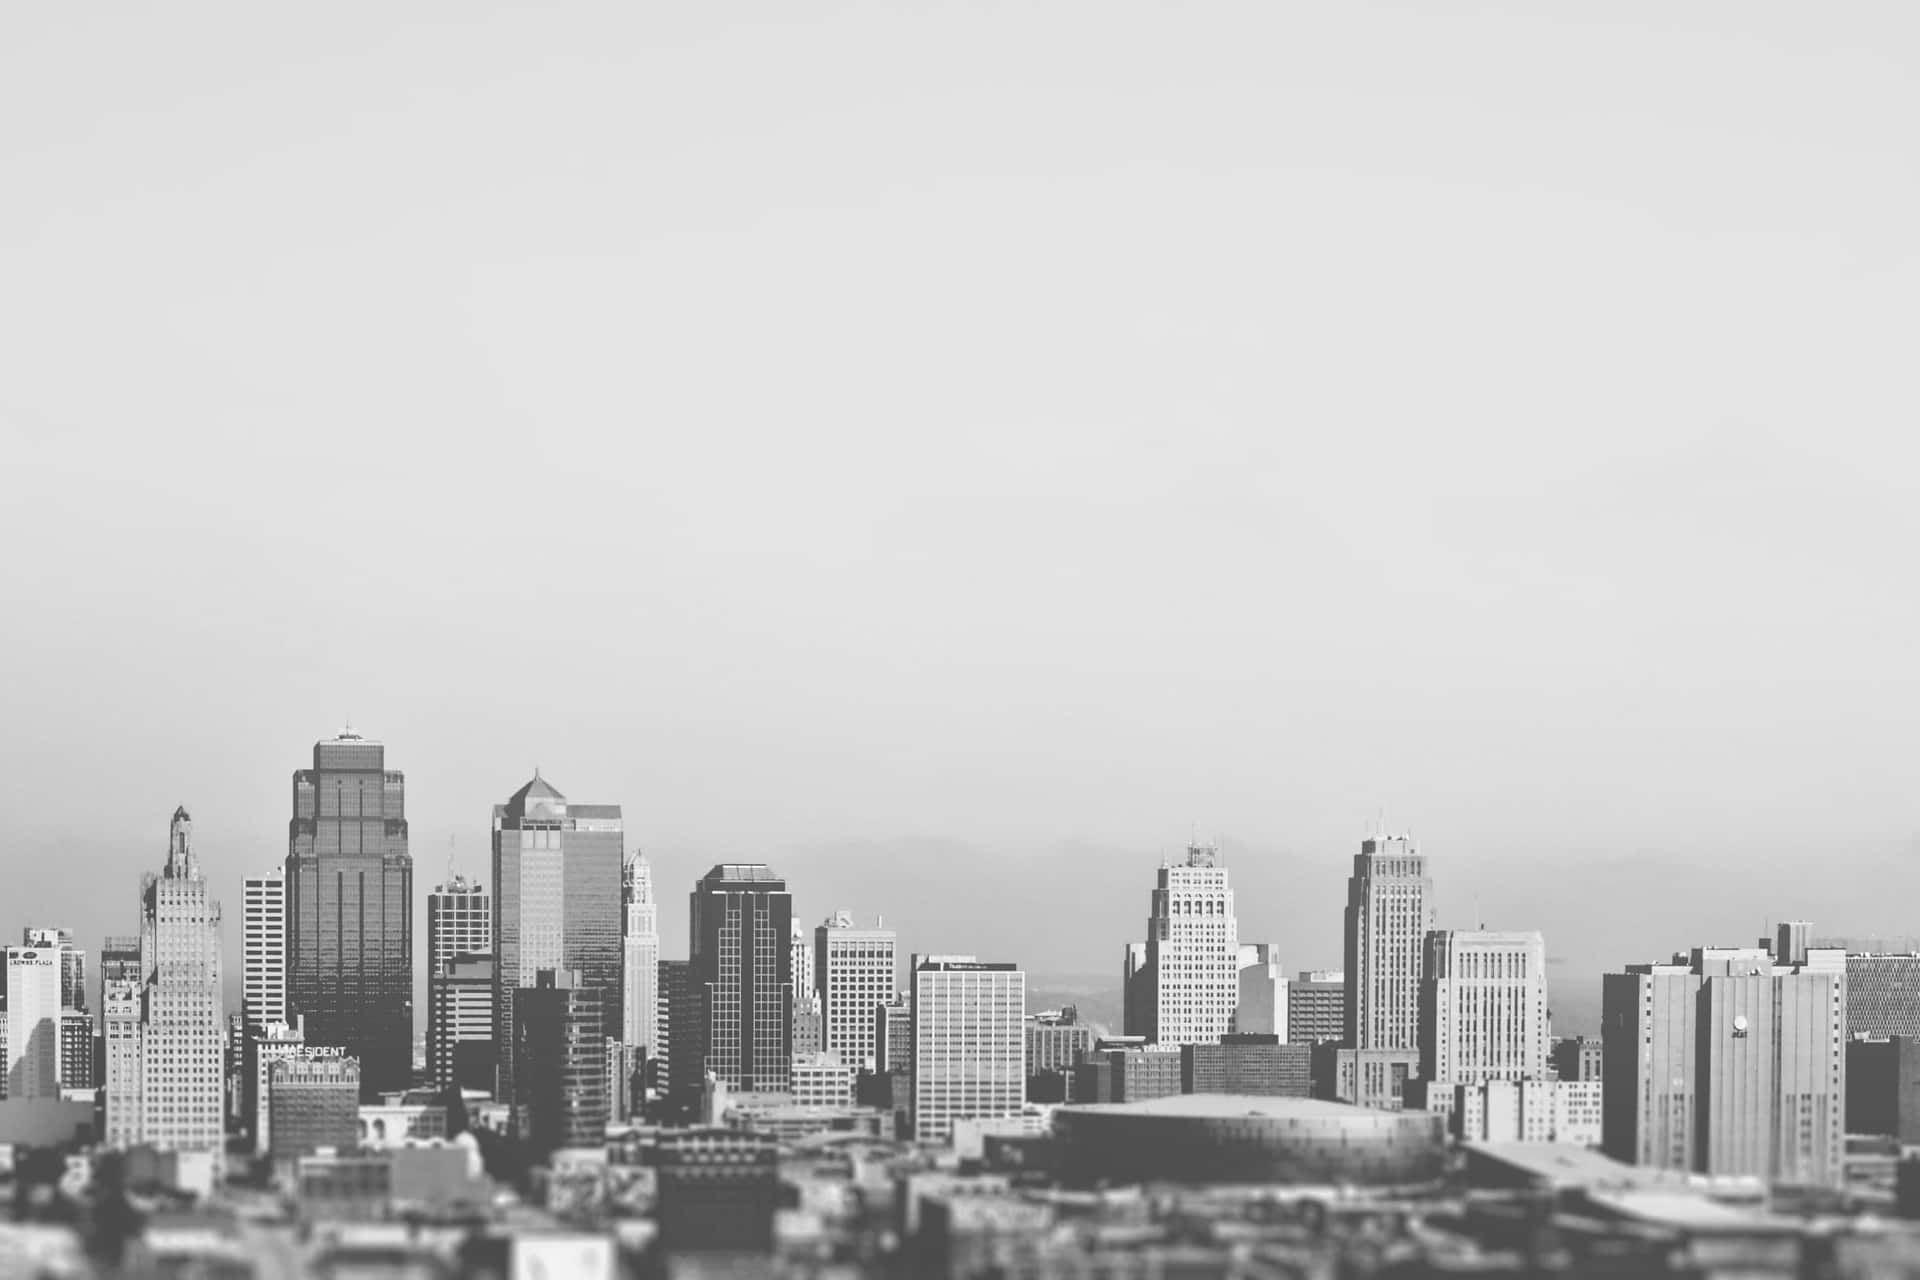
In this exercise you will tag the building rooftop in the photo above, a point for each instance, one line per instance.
(1227, 1106)
(1559, 1164)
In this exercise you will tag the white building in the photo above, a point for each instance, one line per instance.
(1192, 969)
(822, 1080)
(1565, 1111)
(640, 957)
(1386, 931)
(1483, 1007)
(856, 970)
(31, 1059)
(172, 1030)
(459, 922)
(263, 956)
(1261, 1008)
(969, 1043)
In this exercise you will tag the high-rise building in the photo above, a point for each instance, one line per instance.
(1792, 939)
(1386, 930)
(1726, 1063)
(640, 957)
(1576, 1057)
(969, 1043)
(1483, 1007)
(263, 953)
(1316, 1006)
(893, 1035)
(741, 979)
(1192, 962)
(73, 963)
(854, 970)
(1136, 991)
(675, 1034)
(30, 1067)
(349, 886)
(561, 1063)
(167, 1036)
(1056, 1039)
(557, 873)
(1261, 1005)
(459, 922)
(119, 961)
(460, 1049)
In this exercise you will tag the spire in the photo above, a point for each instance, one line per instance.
(181, 864)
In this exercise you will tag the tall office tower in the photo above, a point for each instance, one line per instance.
(460, 1049)
(969, 1043)
(1386, 926)
(73, 963)
(561, 1058)
(741, 979)
(1316, 1006)
(1261, 1005)
(674, 1033)
(854, 970)
(459, 922)
(640, 957)
(1136, 991)
(1483, 1007)
(233, 1094)
(263, 956)
(893, 1035)
(1193, 952)
(74, 1023)
(1724, 1062)
(179, 1043)
(30, 1066)
(557, 871)
(349, 886)
(1792, 939)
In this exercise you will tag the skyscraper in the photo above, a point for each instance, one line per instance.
(640, 952)
(969, 1043)
(1386, 926)
(263, 957)
(741, 979)
(74, 1025)
(675, 1069)
(1483, 1007)
(172, 1045)
(73, 963)
(30, 1065)
(349, 885)
(557, 868)
(1724, 1062)
(561, 1063)
(1191, 973)
(459, 922)
(460, 1048)
(856, 970)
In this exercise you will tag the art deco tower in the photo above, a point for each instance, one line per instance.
(349, 885)
(1386, 926)
(1191, 974)
(170, 1054)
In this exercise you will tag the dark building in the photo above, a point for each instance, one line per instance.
(460, 1023)
(1247, 1064)
(561, 1078)
(893, 1036)
(1577, 1058)
(676, 1069)
(1883, 996)
(312, 1103)
(1316, 1008)
(349, 883)
(741, 979)
(76, 1051)
(718, 1190)
(558, 871)
(1883, 1088)
(1127, 1075)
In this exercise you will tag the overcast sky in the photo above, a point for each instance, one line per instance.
(954, 452)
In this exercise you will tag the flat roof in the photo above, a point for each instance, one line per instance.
(1564, 1165)
(1229, 1105)
(1689, 1211)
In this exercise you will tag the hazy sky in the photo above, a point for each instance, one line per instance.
(952, 452)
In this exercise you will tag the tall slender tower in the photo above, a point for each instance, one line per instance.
(557, 868)
(349, 883)
(1192, 968)
(1386, 926)
(640, 957)
(176, 1053)
(263, 956)
(741, 980)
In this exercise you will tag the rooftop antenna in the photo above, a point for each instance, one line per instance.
(450, 840)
